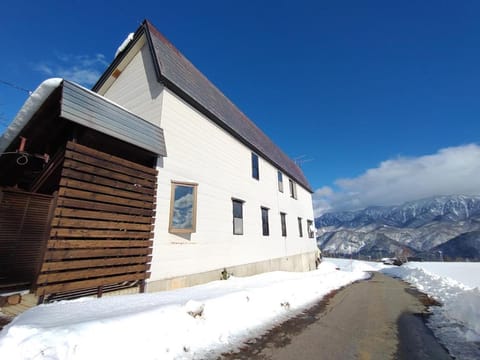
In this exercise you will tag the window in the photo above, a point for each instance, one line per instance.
(237, 216)
(183, 208)
(280, 181)
(265, 229)
(293, 188)
(255, 171)
(283, 219)
(300, 228)
(310, 229)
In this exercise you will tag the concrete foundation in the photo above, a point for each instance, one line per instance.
(299, 263)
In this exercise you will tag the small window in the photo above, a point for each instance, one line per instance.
(293, 188)
(265, 228)
(300, 228)
(183, 208)
(283, 219)
(310, 229)
(280, 181)
(255, 171)
(237, 216)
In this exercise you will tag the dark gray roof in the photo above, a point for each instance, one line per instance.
(182, 77)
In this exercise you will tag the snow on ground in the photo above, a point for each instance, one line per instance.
(190, 323)
(202, 321)
(356, 265)
(465, 273)
(456, 285)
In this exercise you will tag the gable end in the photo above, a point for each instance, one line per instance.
(179, 75)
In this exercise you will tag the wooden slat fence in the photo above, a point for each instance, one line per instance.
(102, 229)
(24, 223)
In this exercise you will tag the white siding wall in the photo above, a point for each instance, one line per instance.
(137, 88)
(199, 151)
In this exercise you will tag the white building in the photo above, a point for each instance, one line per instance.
(226, 197)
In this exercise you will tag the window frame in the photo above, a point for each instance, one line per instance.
(255, 166)
(193, 228)
(310, 233)
(265, 222)
(293, 188)
(280, 181)
(300, 227)
(283, 222)
(241, 202)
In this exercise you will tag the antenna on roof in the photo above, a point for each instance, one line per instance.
(302, 159)
(16, 87)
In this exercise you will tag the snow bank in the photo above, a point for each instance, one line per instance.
(29, 108)
(457, 323)
(189, 323)
(356, 265)
(456, 271)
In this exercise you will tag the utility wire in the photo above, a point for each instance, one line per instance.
(29, 92)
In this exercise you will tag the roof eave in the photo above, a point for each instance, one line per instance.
(197, 106)
(145, 29)
(28, 110)
(121, 56)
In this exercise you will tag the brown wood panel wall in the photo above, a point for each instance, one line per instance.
(102, 229)
(24, 222)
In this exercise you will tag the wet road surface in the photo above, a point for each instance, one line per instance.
(380, 318)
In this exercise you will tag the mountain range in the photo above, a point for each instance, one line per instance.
(439, 227)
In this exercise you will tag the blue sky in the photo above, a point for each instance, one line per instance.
(358, 88)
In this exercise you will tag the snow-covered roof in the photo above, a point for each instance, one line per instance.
(92, 110)
(124, 44)
(29, 108)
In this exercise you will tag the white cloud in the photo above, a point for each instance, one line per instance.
(183, 212)
(453, 170)
(321, 198)
(185, 201)
(44, 68)
(82, 69)
(78, 75)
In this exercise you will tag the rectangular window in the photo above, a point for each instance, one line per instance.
(265, 229)
(300, 228)
(310, 229)
(237, 216)
(255, 171)
(183, 208)
(283, 219)
(293, 188)
(280, 181)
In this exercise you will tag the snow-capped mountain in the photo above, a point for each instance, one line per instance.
(416, 226)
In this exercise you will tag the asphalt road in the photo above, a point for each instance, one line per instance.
(380, 318)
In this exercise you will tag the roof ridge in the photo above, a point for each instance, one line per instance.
(184, 75)
(162, 37)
